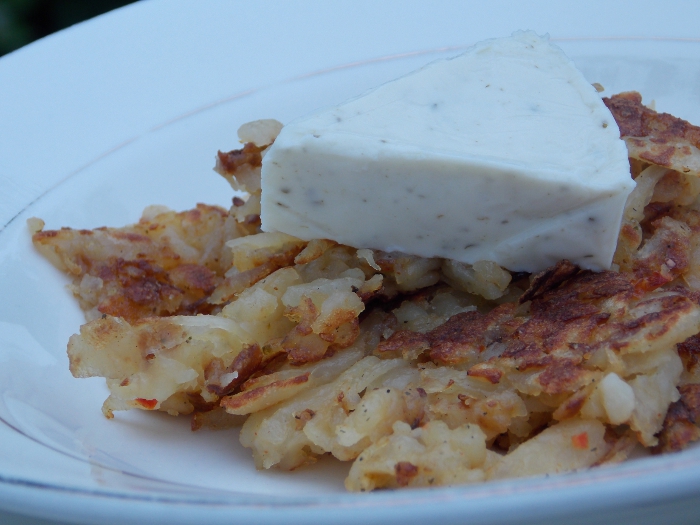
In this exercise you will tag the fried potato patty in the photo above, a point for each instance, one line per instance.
(422, 372)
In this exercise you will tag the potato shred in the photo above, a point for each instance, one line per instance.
(421, 372)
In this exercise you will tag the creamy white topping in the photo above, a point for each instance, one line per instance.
(504, 153)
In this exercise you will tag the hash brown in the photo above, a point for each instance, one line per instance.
(421, 371)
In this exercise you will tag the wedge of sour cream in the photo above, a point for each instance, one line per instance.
(505, 153)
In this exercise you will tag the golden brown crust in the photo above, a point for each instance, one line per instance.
(137, 289)
(232, 403)
(679, 427)
(556, 335)
(163, 265)
(241, 168)
(689, 352)
(464, 336)
(656, 138)
(569, 320)
(571, 314)
(403, 342)
(492, 375)
(549, 279)
(231, 161)
(636, 120)
(664, 256)
(246, 363)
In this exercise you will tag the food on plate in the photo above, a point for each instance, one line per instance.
(421, 371)
(167, 264)
(504, 153)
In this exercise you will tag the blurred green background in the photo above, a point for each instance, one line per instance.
(23, 21)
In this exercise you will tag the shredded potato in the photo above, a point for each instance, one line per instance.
(421, 372)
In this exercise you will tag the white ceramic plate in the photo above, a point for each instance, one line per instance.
(59, 458)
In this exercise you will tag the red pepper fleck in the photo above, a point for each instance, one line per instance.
(580, 441)
(148, 404)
